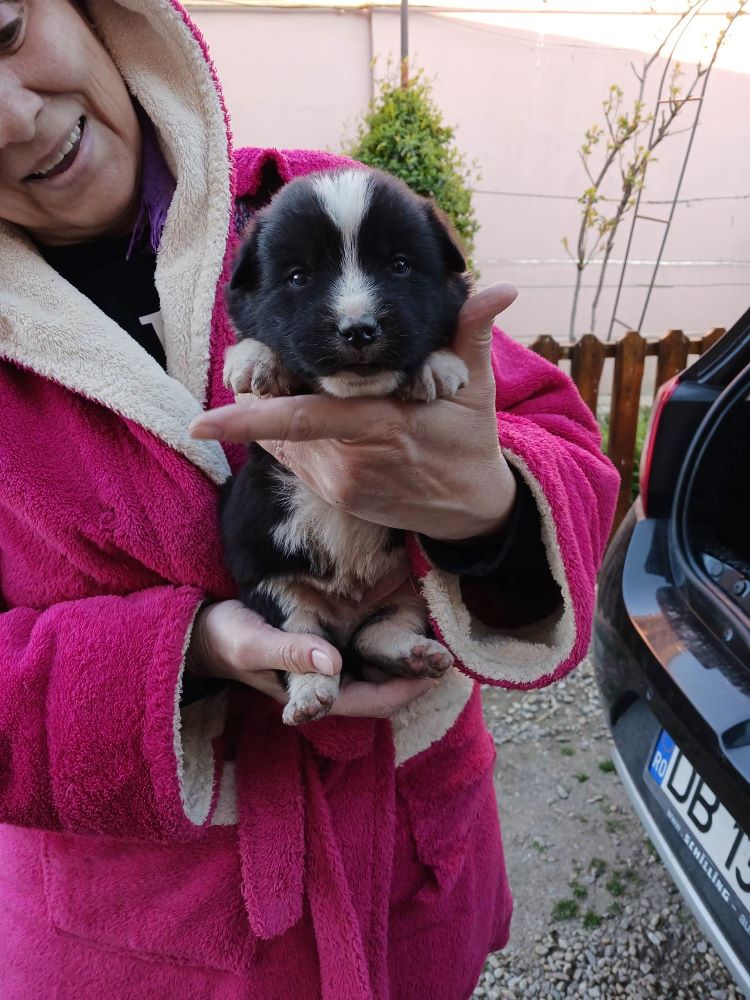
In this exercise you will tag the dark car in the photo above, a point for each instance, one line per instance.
(672, 641)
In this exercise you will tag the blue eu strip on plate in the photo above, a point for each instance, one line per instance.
(662, 757)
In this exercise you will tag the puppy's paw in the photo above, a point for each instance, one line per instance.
(440, 377)
(427, 658)
(310, 697)
(408, 655)
(239, 364)
(250, 366)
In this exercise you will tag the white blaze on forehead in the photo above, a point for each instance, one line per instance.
(345, 197)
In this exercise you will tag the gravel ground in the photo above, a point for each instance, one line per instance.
(596, 915)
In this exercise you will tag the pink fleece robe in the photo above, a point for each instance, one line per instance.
(345, 860)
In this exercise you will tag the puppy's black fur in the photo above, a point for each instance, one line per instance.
(350, 284)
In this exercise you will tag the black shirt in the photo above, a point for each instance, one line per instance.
(122, 287)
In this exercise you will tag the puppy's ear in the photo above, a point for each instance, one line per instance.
(447, 238)
(246, 271)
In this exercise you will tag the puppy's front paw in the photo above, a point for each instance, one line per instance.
(250, 366)
(440, 377)
(310, 697)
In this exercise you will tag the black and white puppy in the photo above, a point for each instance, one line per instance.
(347, 284)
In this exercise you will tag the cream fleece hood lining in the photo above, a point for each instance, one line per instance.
(48, 326)
(522, 655)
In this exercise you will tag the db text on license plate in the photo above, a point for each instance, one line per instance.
(719, 846)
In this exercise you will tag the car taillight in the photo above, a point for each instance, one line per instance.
(663, 396)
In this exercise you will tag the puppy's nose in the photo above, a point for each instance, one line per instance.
(359, 331)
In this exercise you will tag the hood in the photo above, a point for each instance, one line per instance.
(48, 326)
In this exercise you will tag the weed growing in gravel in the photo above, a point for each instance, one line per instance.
(598, 866)
(614, 825)
(615, 909)
(582, 777)
(567, 751)
(591, 920)
(565, 909)
(579, 891)
(615, 886)
(606, 766)
(651, 849)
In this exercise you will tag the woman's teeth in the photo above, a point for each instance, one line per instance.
(69, 143)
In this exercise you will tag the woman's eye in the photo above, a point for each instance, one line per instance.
(298, 278)
(11, 24)
(400, 266)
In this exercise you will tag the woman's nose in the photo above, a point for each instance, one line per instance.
(19, 108)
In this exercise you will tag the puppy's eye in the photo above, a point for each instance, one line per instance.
(400, 266)
(298, 278)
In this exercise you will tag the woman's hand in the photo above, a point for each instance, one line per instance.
(435, 468)
(230, 641)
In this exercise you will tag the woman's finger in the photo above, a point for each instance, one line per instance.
(363, 699)
(292, 418)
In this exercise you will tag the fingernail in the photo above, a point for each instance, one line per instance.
(322, 662)
(205, 429)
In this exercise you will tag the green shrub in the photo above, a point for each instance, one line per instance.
(403, 132)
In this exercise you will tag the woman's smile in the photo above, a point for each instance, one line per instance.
(61, 161)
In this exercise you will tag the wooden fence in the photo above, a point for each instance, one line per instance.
(588, 356)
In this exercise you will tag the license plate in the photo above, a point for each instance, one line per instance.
(718, 845)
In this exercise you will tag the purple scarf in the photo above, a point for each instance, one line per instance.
(157, 189)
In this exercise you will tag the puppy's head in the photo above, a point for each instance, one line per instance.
(352, 279)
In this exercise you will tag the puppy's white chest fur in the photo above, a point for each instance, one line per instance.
(354, 552)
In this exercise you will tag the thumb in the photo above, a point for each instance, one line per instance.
(474, 332)
(298, 653)
(295, 653)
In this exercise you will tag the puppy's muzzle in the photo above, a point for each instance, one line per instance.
(359, 332)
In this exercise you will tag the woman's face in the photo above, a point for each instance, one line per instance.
(70, 144)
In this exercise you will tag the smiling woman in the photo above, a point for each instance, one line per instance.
(162, 832)
(70, 146)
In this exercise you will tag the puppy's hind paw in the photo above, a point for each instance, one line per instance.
(428, 658)
(440, 377)
(310, 697)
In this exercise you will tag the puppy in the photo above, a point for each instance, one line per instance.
(347, 284)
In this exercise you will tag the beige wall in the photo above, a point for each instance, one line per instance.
(521, 100)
